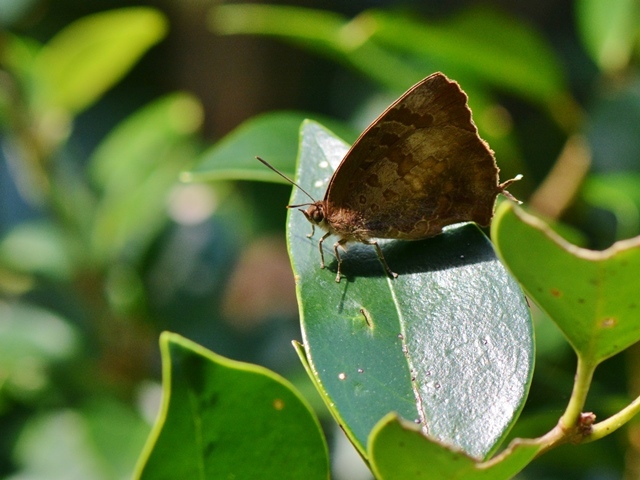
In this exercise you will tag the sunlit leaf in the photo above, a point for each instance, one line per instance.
(89, 56)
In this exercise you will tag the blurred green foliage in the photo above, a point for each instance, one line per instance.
(101, 247)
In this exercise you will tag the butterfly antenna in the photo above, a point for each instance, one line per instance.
(268, 165)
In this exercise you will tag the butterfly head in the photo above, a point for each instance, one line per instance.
(315, 213)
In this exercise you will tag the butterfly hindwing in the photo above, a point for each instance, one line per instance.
(420, 166)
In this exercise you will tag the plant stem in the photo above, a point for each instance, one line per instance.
(614, 422)
(584, 375)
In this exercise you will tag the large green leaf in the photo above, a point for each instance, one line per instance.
(89, 56)
(592, 296)
(399, 451)
(273, 136)
(448, 344)
(226, 419)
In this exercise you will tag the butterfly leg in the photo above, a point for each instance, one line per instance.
(320, 248)
(313, 230)
(337, 245)
(381, 257)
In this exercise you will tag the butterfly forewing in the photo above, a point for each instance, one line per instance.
(420, 166)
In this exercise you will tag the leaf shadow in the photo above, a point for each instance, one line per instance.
(459, 245)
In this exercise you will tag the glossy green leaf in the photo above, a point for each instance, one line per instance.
(591, 296)
(399, 450)
(89, 56)
(609, 30)
(134, 168)
(448, 344)
(272, 136)
(226, 419)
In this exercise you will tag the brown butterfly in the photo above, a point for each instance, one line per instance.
(419, 167)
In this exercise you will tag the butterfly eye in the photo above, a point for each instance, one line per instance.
(315, 214)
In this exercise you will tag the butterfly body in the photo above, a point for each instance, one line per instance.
(344, 223)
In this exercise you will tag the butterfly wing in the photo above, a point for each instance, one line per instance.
(417, 168)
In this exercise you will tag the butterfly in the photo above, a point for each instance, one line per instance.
(419, 167)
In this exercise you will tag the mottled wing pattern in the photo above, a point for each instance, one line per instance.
(419, 167)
